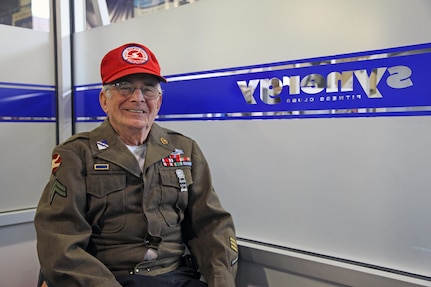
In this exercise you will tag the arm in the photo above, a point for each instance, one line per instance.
(213, 241)
(63, 233)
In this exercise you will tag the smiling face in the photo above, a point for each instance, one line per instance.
(131, 115)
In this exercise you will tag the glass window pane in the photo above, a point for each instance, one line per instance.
(31, 14)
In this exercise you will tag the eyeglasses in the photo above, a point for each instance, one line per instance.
(126, 89)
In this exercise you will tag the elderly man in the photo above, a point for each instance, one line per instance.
(127, 201)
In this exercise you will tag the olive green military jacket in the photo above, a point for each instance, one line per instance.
(100, 213)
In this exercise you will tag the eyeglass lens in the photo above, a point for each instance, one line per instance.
(127, 89)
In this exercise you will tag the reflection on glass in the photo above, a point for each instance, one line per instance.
(121, 10)
(35, 14)
(31, 14)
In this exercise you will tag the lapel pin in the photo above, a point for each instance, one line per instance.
(103, 144)
(164, 141)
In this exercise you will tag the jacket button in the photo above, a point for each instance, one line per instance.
(148, 269)
(137, 270)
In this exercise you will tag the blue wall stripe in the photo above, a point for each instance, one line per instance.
(220, 94)
(27, 102)
(401, 75)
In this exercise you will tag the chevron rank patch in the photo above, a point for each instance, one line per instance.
(233, 244)
(59, 189)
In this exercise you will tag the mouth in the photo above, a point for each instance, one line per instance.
(136, 111)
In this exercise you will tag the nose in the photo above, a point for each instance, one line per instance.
(137, 96)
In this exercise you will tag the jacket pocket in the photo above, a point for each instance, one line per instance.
(174, 198)
(106, 201)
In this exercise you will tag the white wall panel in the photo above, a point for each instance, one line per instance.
(26, 163)
(26, 59)
(26, 56)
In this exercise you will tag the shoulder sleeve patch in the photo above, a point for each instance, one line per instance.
(55, 163)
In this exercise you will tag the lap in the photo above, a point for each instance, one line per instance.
(181, 277)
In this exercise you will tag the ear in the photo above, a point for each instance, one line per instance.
(103, 101)
(159, 103)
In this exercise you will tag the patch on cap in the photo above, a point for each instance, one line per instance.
(135, 55)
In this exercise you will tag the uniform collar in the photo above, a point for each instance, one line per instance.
(106, 144)
(159, 145)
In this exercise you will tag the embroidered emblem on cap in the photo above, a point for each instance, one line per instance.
(135, 55)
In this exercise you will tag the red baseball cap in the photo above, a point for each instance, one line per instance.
(131, 58)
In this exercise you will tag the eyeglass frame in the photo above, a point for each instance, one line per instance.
(127, 93)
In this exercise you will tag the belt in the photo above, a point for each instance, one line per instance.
(152, 268)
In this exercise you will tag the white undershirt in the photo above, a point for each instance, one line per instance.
(139, 152)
